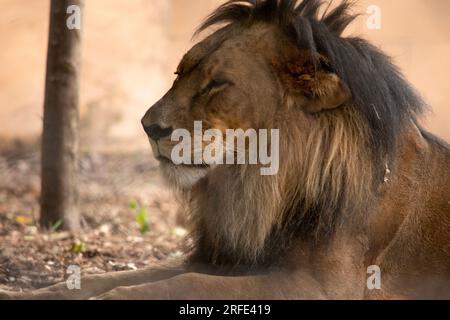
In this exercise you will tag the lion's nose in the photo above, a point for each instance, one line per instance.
(156, 132)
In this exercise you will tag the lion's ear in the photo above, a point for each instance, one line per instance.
(319, 90)
(324, 92)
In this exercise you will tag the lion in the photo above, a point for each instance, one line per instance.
(360, 187)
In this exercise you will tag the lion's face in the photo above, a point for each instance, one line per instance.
(226, 83)
(229, 88)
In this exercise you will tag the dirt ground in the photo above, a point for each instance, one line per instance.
(118, 193)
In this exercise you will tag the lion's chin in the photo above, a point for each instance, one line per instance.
(182, 177)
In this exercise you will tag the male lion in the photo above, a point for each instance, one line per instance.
(360, 185)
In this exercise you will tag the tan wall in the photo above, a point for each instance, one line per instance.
(131, 48)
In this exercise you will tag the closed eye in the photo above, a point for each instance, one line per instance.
(216, 84)
(213, 87)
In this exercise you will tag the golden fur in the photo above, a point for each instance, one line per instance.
(320, 163)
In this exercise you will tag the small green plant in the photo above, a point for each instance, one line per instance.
(141, 217)
(133, 204)
(142, 220)
(55, 226)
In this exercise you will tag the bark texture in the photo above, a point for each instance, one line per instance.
(61, 116)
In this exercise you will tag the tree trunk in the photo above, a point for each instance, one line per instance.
(60, 136)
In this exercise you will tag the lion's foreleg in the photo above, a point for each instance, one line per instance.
(194, 286)
(97, 284)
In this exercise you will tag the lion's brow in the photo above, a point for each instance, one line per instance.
(187, 64)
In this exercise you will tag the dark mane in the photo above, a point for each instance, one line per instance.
(380, 92)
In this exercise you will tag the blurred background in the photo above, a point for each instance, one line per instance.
(130, 51)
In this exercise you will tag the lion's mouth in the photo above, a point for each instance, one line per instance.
(167, 161)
